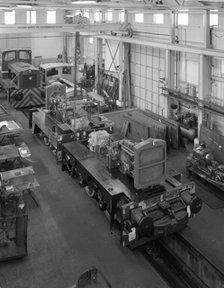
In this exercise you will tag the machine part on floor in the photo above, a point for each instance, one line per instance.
(13, 225)
(21, 79)
(202, 163)
(131, 185)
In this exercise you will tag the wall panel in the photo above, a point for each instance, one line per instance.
(148, 66)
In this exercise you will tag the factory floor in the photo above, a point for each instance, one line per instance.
(68, 233)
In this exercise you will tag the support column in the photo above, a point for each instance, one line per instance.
(204, 86)
(206, 29)
(170, 68)
(172, 26)
(124, 75)
(170, 78)
(204, 71)
(98, 50)
(121, 97)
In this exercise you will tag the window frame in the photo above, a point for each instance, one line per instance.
(13, 13)
(139, 17)
(30, 17)
(185, 13)
(157, 20)
(50, 21)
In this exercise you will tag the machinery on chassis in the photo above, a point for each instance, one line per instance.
(65, 120)
(131, 184)
(20, 79)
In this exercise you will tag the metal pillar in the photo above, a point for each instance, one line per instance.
(204, 71)
(206, 29)
(98, 49)
(121, 96)
(125, 77)
(76, 62)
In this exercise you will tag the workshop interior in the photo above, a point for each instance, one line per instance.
(111, 143)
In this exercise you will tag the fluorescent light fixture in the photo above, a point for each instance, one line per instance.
(83, 2)
(25, 6)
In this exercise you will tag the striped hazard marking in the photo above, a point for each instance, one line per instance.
(22, 98)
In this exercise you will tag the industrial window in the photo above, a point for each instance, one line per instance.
(67, 70)
(109, 15)
(214, 18)
(51, 72)
(182, 17)
(97, 16)
(139, 17)
(122, 16)
(90, 40)
(86, 13)
(158, 18)
(51, 17)
(9, 17)
(24, 55)
(11, 55)
(31, 17)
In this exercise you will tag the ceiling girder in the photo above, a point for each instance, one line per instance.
(136, 5)
(168, 46)
(70, 28)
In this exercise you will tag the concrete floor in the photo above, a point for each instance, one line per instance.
(68, 234)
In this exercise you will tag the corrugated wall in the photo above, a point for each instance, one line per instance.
(147, 69)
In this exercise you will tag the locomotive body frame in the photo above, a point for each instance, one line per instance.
(142, 216)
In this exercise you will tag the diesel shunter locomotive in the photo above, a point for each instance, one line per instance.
(20, 79)
(130, 183)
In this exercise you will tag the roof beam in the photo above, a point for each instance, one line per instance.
(168, 46)
(70, 28)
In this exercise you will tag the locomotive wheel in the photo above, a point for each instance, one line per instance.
(74, 173)
(102, 205)
(195, 205)
(217, 178)
(59, 156)
(82, 181)
(41, 135)
(46, 140)
(91, 190)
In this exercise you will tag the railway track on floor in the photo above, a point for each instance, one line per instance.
(182, 265)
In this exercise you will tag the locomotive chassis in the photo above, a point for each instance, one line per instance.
(170, 201)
